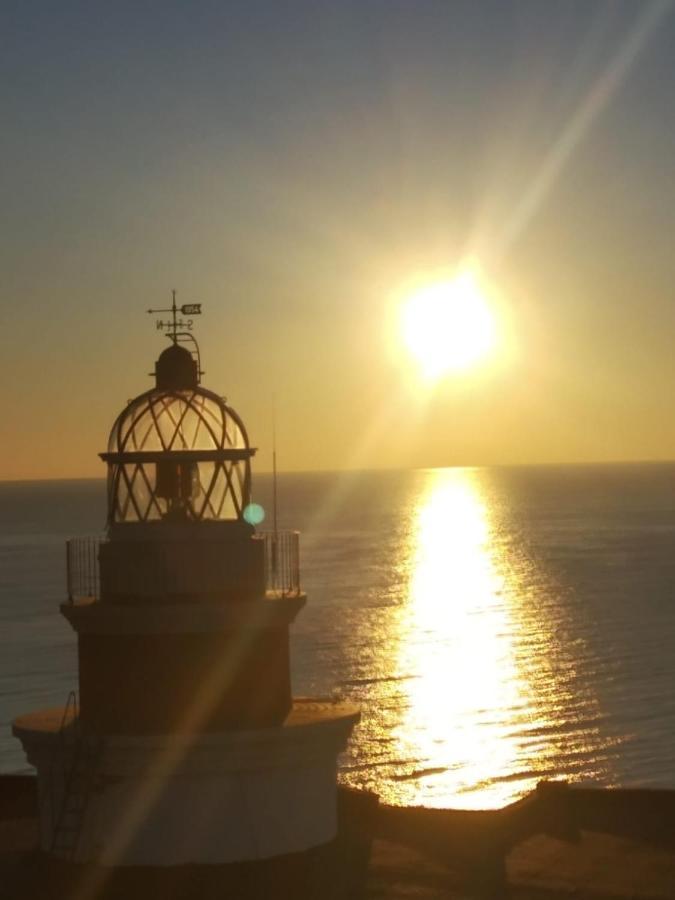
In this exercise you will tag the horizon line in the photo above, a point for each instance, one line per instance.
(369, 469)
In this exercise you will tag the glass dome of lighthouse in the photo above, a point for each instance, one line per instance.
(178, 452)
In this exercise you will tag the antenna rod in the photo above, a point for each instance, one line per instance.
(274, 466)
(275, 532)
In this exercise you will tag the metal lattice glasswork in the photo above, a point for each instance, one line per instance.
(180, 455)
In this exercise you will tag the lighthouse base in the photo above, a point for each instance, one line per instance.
(176, 800)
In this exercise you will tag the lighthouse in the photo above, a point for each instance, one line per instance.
(183, 744)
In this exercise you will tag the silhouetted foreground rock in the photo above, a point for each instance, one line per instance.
(556, 843)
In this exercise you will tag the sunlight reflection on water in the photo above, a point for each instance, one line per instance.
(475, 713)
(458, 647)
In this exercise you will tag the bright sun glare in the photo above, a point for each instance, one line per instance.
(448, 326)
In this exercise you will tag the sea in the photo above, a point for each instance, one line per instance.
(497, 626)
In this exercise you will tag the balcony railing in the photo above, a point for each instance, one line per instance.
(282, 561)
(82, 573)
(281, 554)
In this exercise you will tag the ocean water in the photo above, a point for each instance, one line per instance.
(497, 626)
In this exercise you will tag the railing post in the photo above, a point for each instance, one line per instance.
(97, 571)
(297, 560)
(68, 584)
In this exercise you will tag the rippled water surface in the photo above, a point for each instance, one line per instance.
(497, 626)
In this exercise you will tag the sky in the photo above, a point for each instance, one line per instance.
(296, 168)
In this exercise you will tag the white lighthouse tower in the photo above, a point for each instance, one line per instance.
(186, 746)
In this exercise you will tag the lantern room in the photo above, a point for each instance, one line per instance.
(178, 452)
(179, 492)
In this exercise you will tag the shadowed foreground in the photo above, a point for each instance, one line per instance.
(556, 843)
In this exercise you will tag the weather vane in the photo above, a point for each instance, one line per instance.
(175, 326)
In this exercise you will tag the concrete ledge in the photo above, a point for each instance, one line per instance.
(94, 617)
(312, 727)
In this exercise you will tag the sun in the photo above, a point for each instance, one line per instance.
(448, 326)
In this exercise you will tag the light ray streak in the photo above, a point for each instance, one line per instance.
(398, 406)
(598, 98)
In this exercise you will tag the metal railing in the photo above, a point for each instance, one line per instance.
(282, 561)
(82, 572)
(281, 554)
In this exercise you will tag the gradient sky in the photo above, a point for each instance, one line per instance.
(294, 167)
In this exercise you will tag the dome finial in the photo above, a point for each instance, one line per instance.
(179, 331)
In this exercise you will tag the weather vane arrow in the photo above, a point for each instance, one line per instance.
(187, 309)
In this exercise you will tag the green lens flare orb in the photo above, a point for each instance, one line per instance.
(254, 514)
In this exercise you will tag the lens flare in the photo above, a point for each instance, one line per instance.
(254, 514)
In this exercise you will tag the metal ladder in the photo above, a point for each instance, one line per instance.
(80, 764)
